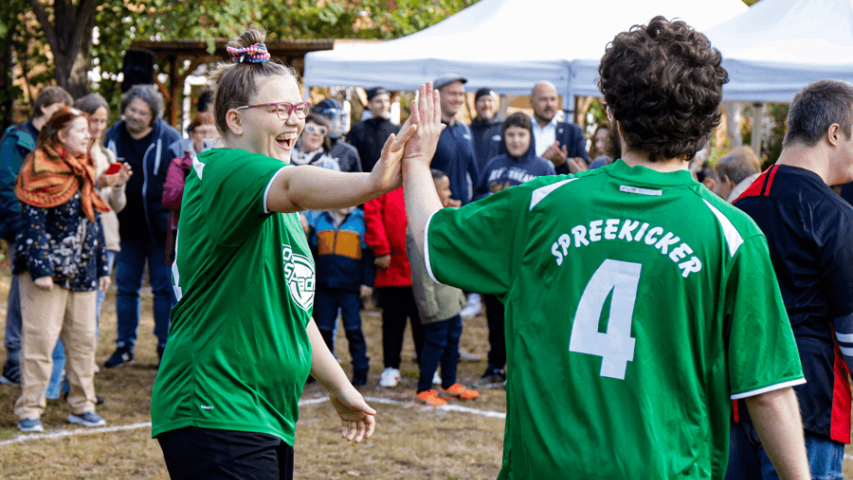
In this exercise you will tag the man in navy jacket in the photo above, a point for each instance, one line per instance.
(455, 153)
(559, 142)
(487, 128)
(142, 139)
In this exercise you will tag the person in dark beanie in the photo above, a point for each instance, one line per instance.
(487, 127)
(369, 136)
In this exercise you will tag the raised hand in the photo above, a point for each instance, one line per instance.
(387, 174)
(427, 114)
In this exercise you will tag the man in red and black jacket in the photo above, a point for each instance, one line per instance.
(809, 232)
(385, 218)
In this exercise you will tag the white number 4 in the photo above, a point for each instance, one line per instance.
(616, 347)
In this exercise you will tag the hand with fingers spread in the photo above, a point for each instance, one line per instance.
(387, 173)
(426, 113)
(357, 418)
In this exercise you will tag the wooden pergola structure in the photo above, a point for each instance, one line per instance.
(177, 52)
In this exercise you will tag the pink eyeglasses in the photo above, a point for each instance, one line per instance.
(284, 109)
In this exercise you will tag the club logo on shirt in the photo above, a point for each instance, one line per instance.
(299, 273)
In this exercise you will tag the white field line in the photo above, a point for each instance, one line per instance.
(303, 403)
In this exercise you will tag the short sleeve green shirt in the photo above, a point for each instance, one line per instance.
(238, 352)
(638, 304)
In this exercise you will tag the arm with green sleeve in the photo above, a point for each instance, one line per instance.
(314, 188)
(763, 360)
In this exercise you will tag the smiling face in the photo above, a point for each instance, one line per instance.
(487, 107)
(75, 137)
(544, 102)
(312, 137)
(138, 117)
(259, 130)
(380, 106)
(452, 98)
(517, 141)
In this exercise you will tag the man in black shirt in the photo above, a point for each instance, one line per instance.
(369, 136)
(809, 232)
(142, 139)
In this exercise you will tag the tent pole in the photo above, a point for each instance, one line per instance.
(757, 115)
(568, 98)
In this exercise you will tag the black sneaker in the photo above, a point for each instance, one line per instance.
(122, 356)
(11, 374)
(492, 378)
(359, 378)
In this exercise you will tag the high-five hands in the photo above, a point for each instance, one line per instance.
(417, 140)
(426, 112)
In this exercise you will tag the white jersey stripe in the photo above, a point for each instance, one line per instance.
(770, 388)
(267, 190)
(197, 166)
(426, 249)
(540, 193)
(733, 237)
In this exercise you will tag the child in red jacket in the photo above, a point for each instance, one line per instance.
(386, 236)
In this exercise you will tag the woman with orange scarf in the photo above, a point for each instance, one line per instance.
(60, 257)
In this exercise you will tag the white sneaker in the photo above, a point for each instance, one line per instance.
(390, 377)
(473, 307)
(436, 380)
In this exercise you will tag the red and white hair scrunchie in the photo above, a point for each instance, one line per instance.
(256, 53)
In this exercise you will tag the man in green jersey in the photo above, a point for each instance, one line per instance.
(638, 304)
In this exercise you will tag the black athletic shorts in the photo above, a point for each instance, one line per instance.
(208, 454)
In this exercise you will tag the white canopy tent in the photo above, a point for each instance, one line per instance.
(779, 46)
(509, 45)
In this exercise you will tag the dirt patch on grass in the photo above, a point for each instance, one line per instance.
(411, 441)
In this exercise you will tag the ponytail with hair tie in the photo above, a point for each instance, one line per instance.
(256, 53)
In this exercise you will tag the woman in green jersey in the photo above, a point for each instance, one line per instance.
(242, 341)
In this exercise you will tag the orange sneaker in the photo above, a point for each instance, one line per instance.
(430, 399)
(459, 392)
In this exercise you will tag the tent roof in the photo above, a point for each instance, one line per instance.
(508, 45)
(779, 46)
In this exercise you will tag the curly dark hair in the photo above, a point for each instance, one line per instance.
(663, 83)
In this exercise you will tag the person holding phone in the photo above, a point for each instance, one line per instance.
(112, 179)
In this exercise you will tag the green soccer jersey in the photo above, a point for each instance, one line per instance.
(238, 351)
(638, 304)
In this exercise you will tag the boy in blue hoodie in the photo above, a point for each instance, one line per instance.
(345, 273)
(518, 165)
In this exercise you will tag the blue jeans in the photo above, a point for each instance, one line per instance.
(326, 304)
(13, 323)
(130, 267)
(748, 460)
(441, 344)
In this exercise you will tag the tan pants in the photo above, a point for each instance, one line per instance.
(46, 317)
